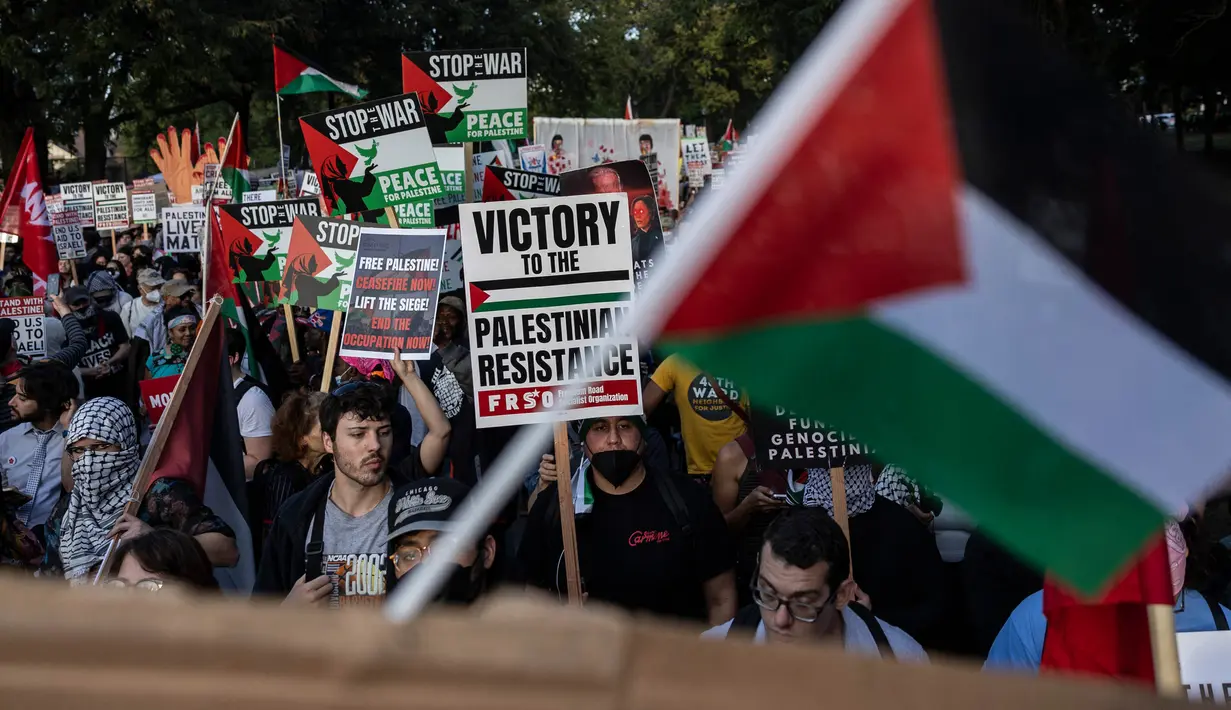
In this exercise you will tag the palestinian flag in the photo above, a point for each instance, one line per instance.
(296, 75)
(256, 236)
(320, 263)
(729, 138)
(1023, 307)
(234, 168)
(508, 184)
(204, 447)
(628, 108)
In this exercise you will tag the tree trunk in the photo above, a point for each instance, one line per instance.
(1177, 106)
(243, 106)
(95, 129)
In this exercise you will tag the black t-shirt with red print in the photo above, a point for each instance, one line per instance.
(632, 551)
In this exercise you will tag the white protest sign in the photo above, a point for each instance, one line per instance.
(717, 177)
(79, 198)
(28, 312)
(181, 229)
(70, 242)
(548, 281)
(696, 155)
(259, 196)
(198, 195)
(533, 158)
(145, 208)
(111, 205)
(311, 186)
(1205, 666)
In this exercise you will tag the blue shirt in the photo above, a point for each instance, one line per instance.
(1019, 645)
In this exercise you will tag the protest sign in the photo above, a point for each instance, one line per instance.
(632, 178)
(374, 155)
(145, 208)
(54, 202)
(451, 273)
(181, 228)
(29, 339)
(79, 198)
(1203, 666)
(547, 280)
(784, 440)
(717, 177)
(696, 155)
(696, 178)
(320, 263)
(452, 162)
(533, 158)
(111, 205)
(259, 196)
(310, 186)
(574, 143)
(651, 166)
(257, 236)
(143, 184)
(507, 184)
(198, 195)
(156, 395)
(393, 299)
(485, 98)
(70, 242)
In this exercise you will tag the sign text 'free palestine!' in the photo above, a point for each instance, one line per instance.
(547, 282)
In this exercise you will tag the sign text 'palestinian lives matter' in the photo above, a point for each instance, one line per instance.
(470, 95)
(548, 282)
(374, 155)
(181, 229)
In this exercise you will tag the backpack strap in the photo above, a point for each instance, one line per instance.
(246, 384)
(874, 626)
(746, 620)
(1220, 619)
(675, 503)
(315, 551)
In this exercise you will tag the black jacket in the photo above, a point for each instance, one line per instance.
(283, 559)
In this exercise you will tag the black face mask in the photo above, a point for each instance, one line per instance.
(464, 586)
(617, 465)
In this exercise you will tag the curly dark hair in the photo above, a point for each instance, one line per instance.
(51, 385)
(172, 553)
(292, 422)
(366, 400)
(805, 536)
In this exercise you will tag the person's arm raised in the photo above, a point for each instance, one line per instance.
(436, 442)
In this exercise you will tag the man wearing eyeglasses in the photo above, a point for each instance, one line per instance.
(422, 511)
(802, 592)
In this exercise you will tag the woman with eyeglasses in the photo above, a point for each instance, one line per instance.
(181, 323)
(160, 559)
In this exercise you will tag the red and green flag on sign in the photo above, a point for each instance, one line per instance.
(1020, 307)
(296, 75)
(729, 138)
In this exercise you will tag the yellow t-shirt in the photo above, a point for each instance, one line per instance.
(707, 423)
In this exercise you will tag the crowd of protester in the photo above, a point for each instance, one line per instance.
(347, 490)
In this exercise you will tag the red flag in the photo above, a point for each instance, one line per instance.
(1111, 636)
(24, 214)
(628, 109)
(219, 273)
(731, 135)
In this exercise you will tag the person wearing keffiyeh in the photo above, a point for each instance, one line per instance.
(102, 443)
(894, 558)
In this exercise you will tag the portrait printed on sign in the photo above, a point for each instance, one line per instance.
(632, 178)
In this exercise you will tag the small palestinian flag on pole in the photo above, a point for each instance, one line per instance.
(234, 168)
(729, 138)
(1024, 307)
(296, 75)
(628, 108)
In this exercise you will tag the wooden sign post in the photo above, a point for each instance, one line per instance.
(568, 522)
(837, 486)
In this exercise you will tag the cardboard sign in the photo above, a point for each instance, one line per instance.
(156, 395)
(79, 198)
(786, 441)
(111, 205)
(259, 196)
(30, 340)
(631, 178)
(452, 162)
(145, 208)
(374, 155)
(1204, 667)
(696, 155)
(502, 184)
(470, 95)
(533, 158)
(548, 280)
(320, 263)
(257, 236)
(393, 299)
(310, 186)
(181, 228)
(70, 242)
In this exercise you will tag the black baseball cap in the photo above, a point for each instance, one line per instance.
(426, 504)
(75, 294)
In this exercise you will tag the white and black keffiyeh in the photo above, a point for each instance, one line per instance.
(860, 491)
(894, 484)
(102, 482)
